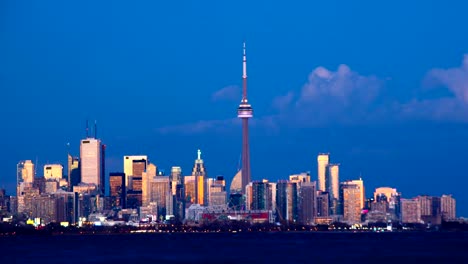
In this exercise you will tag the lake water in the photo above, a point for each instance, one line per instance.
(314, 247)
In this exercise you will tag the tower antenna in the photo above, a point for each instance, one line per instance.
(87, 128)
(95, 129)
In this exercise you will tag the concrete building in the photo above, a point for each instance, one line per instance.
(333, 187)
(301, 177)
(134, 165)
(322, 162)
(92, 157)
(24, 176)
(261, 196)
(307, 203)
(117, 190)
(147, 177)
(74, 173)
(352, 201)
(430, 209)
(53, 171)
(410, 211)
(448, 207)
(199, 174)
(159, 193)
(189, 183)
(323, 204)
(286, 201)
(216, 191)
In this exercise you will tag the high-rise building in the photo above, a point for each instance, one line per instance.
(117, 189)
(159, 193)
(199, 174)
(323, 204)
(301, 177)
(175, 178)
(189, 183)
(307, 203)
(134, 166)
(261, 196)
(448, 207)
(430, 209)
(322, 163)
(352, 201)
(74, 174)
(244, 112)
(53, 171)
(25, 180)
(67, 206)
(333, 187)
(92, 153)
(410, 211)
(24, 175)
(360, 183)
(286, 201)
(147, 177)
(216, 191)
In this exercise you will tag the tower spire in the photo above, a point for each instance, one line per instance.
(244, 75)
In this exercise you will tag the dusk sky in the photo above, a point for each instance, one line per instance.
(381, 85)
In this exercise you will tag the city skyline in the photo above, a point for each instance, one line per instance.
(398, 115)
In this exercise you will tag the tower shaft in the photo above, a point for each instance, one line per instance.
(245, 154)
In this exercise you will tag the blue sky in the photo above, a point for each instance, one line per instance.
(381, 86)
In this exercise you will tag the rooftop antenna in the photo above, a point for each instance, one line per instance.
(87, 128)
(95, 129)
(35, 166)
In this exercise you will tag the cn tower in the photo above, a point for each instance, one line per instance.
(244, 112)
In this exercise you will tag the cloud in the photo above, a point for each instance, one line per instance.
(200, 126)
(284, 101)
(345, 97)
(229, 93)
(455, 79)
(453, 107)
(341, 96)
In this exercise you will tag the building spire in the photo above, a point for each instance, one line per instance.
(199, 154)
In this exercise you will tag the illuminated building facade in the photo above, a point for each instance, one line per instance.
(117, 190)
(53, 171)
(322, 163)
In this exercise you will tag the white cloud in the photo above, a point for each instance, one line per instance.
(231, 92)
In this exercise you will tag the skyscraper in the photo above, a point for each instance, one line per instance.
(307, 203)
(160, 193)
(261, 196)
(352, 201)
(53, 171)
(216, 191)
(322, 162)
(74, 174)
(117, 189)
(410, 211)
(92, 162)
(286, 200)
(448, 207)
(333, 187)
(134, 166)
(24, 175)
(245, 112)
(199, 174)
(147, 177)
